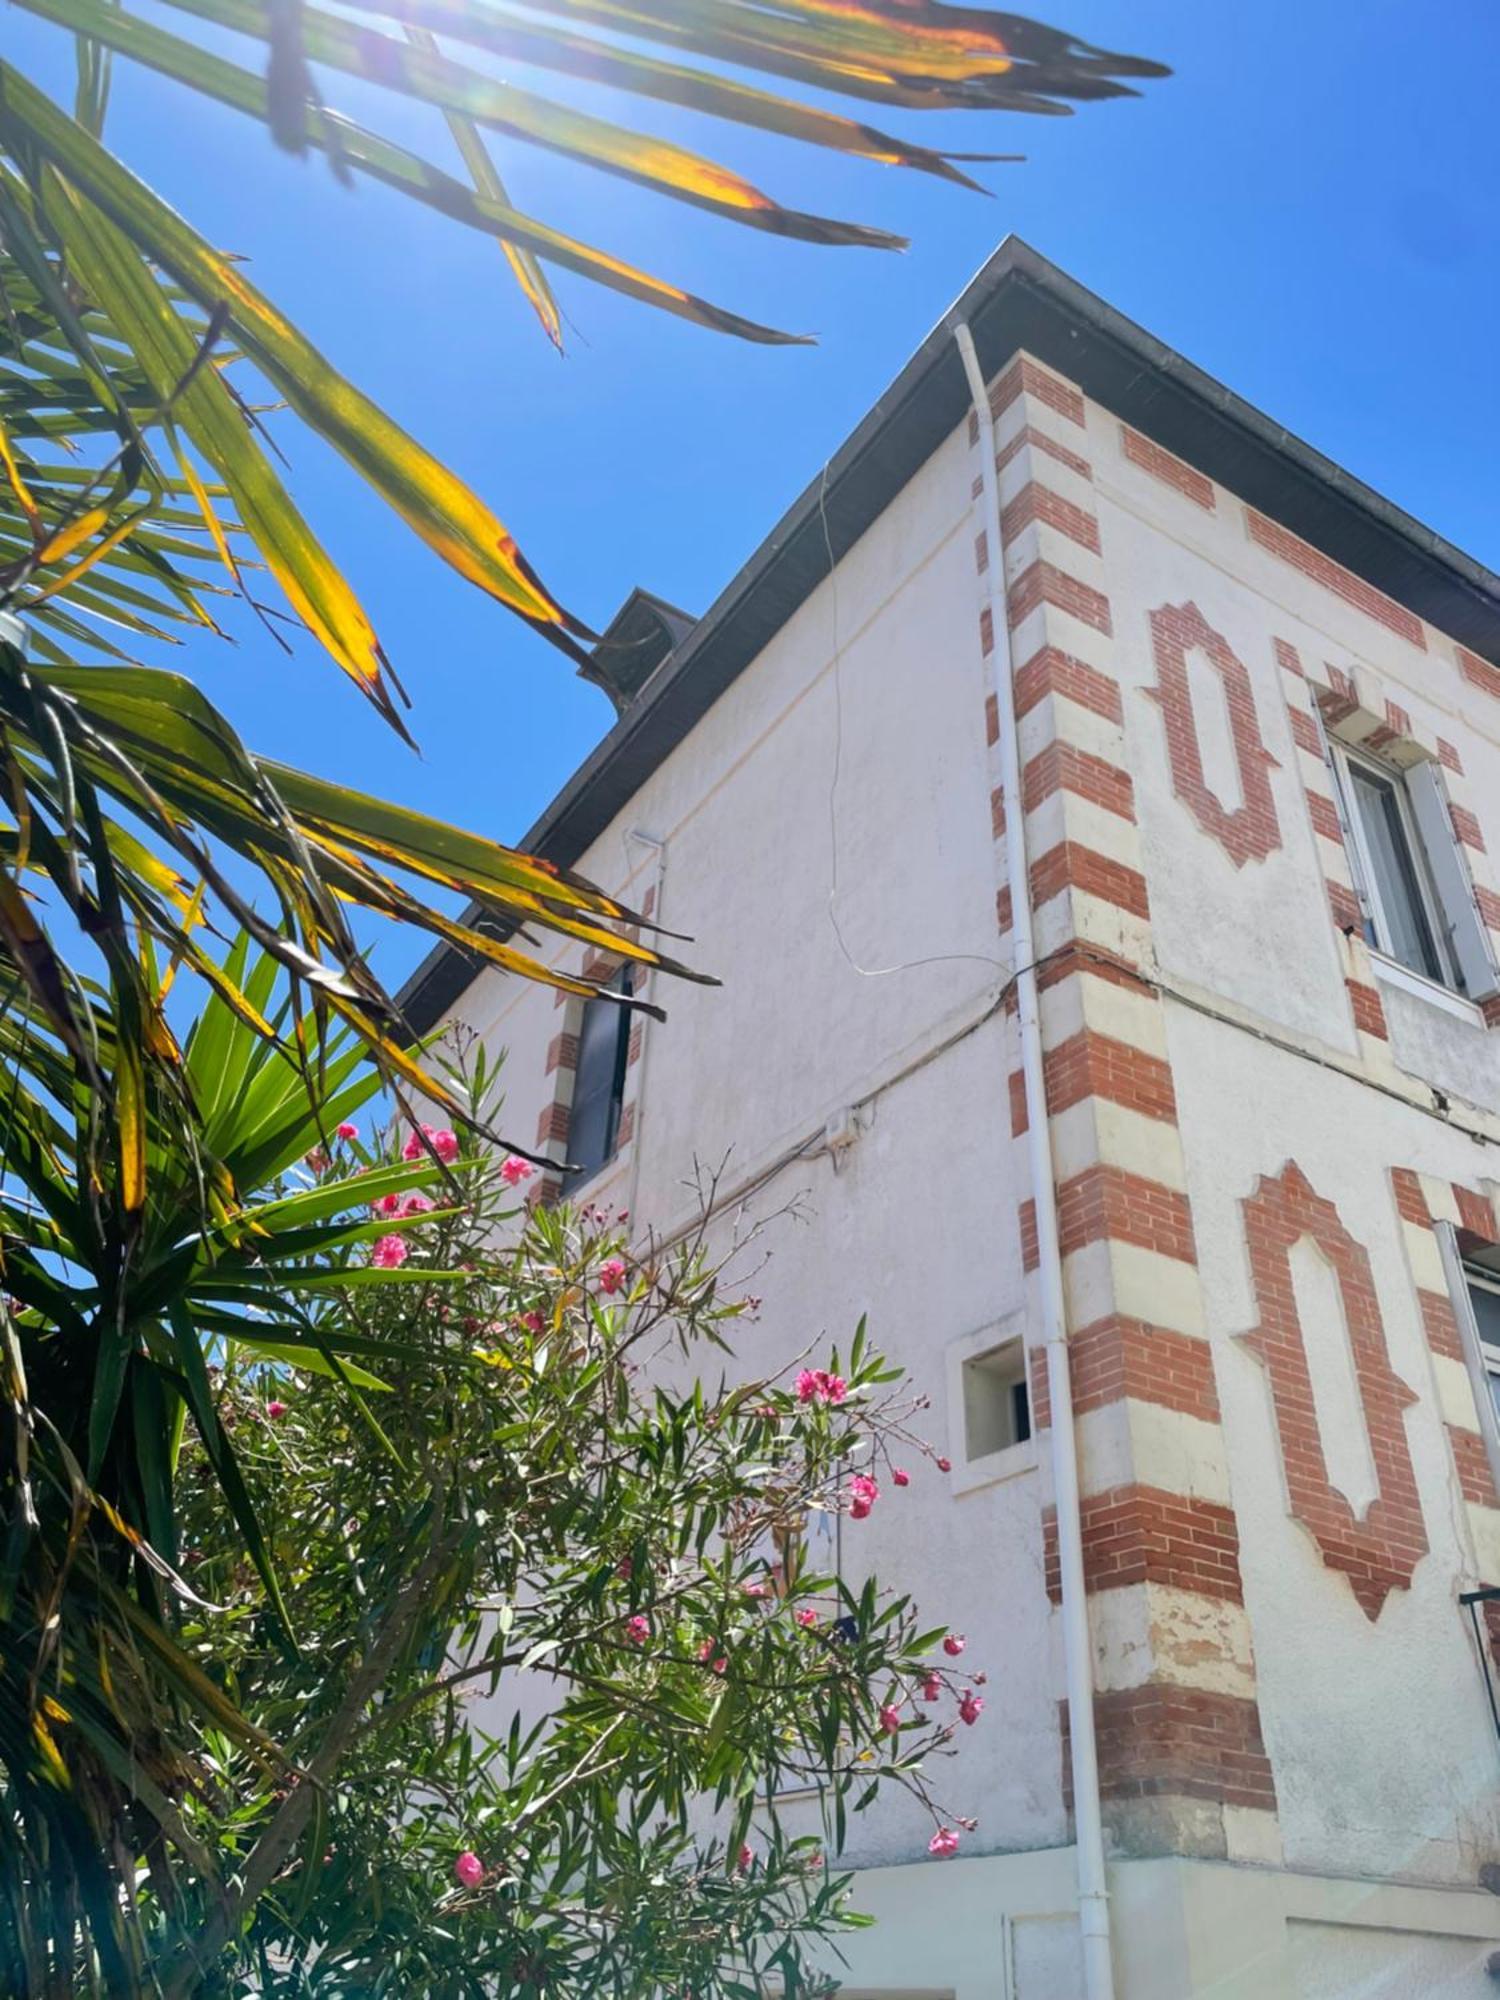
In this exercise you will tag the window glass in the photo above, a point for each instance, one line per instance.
(599, 1081)
(1402, 916)
(1484, 1296)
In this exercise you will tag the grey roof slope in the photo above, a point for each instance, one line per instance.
(1017, 300)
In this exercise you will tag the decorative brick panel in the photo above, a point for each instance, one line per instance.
(1250, 831)
(1063, 767)
(1475, 1214)
(1109, 1202)
(1161, 1739)
(1069, 866)
(1093, 1065)
(1343, 907)
(1023, 374)
(1449, 758)
(1324, 815)
(1440, 1324)
(1467, 828)
(1312, 563)
(1030, 438)
(1473, 1465)
(1305, 733)
(1479, 673)
(1051, 672)
(1141, 1534)
(1170, 471)
(553, 1124)
(1369, 1014)
(1044, 583)
(562, 1052)
(1379, 1552)
(1036, 503)
(1411, 1203)
(1116, 1357)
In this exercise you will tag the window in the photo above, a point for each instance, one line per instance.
(599, 1080)
(1404, 914)
(1484, 1298)
(997, 1409)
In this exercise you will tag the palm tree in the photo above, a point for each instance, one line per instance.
(137, 496)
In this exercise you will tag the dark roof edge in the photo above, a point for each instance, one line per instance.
(1017, 300)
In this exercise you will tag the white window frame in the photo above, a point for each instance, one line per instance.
(969, 1474)
(1477, 1351)
(1346, 762)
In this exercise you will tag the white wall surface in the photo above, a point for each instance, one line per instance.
(1385, 1759)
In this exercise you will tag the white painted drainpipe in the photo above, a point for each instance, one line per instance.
(1093, 1895)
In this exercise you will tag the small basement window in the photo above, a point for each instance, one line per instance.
(599, 1081)
(997, 1407)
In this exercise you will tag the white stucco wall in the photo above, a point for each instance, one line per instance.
(1385, 1759)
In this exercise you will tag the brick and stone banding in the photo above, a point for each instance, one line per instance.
(1122, 1207)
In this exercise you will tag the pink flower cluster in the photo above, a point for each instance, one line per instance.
(388, 1253)
(402, 1204)
(807, 1617)
(954, 1644)
(899, 1477)
(638, 1629)
(709, 1654)
(863, 1493)
(347, 1131)
(943, 1843)
(611, 1274)
(816, 1385)
(890, 1719)
(276, 1408)
(468, 1869)
(515, 1170)
(758, 1590)
(441, 1140)
(971, 1708)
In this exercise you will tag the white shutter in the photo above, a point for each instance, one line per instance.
(1467, 936)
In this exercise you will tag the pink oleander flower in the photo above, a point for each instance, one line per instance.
(533, 1322)
(890, 1719)
(638, 1629)
(388, 1253)
(900, 1478)
(416, 1204)
(276, 1408)
(954, 1644)
(720, 1665)
(945, 1465)
(757, 1590)
(807, 1616)
(611, 1274)
(816, 1385)
(515, 1170)
(859, 1510)
(469, 1869)
(932, 1688)
(442, 1141)
(317, 1160)
(346, 1131)
(747, 1859)
(943, 1843)
(386, 1204)
(971, 1708)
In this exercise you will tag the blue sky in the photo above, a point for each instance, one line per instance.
(1306, 209)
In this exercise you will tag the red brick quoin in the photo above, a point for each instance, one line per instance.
(1250, 832)
(1380, 1552)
